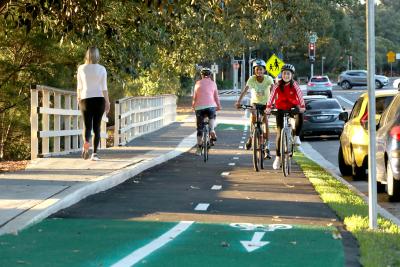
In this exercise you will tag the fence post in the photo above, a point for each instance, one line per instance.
(117, 123)
(67, 123)
(34, 123)
(57, 122)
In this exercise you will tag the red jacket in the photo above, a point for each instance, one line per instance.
(289, 98)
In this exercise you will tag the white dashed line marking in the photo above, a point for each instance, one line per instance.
(202, 206)
(235, 158)
(225, 173)
(146, 250)
(216, 187)
(232, 164)
(241, 147)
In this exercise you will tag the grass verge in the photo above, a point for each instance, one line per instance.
(377, 247)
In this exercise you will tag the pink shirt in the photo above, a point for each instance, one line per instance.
(205, 94)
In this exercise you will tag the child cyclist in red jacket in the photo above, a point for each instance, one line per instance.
(286, 94)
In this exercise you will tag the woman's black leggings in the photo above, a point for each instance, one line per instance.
(279, 126)
(92, 110)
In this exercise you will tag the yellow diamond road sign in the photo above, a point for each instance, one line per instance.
(274, 65)
(391, 57)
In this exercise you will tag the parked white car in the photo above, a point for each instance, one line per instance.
(396, 84)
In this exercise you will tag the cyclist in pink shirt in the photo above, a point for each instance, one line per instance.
(205, 103)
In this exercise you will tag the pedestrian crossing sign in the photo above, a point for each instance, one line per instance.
(274, 65)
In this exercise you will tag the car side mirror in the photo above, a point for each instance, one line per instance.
(344, 116)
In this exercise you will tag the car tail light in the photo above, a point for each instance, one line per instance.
(328, 84)
(364, 120)
(306, 118)
(395, 133)
(311, 84)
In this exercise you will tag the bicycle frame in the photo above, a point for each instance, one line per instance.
(287, 140)
(258, 139)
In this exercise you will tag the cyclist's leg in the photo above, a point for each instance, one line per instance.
(212, 115)
(266, 137)
(279, 126)
(252, 121)
(199, 125)
(299, 126)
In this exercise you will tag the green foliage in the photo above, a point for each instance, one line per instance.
(225, 84)
(151, 47)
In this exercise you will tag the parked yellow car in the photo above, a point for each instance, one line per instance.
(353, 149)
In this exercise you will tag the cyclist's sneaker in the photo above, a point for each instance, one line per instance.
(85, 151)
(212, 142)
(213, 136)
(267, 154)
(95, 157)
(248, 143)
(198, 150)
(277, 163)
(297, 141)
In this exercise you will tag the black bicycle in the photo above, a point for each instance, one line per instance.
(287, 139)
(257, 138)
(205, 140)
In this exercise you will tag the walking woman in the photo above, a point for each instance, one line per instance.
(93, 99)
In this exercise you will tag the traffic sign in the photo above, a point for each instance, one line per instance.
(391, 57)
(274, 65)
(214, 68)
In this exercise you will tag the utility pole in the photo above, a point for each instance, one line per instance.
(372, 190)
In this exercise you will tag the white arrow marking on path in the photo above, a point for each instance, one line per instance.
(255, 242)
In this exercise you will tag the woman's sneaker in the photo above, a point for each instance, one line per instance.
(85, 152)
(267, 154)
(213, 136)
(198, 150)
(277, 163)
(297, 141)
(95, 157)
(248, 144)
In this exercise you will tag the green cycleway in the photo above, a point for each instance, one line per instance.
(92, 242)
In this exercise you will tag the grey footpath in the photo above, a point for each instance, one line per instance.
(48, 185)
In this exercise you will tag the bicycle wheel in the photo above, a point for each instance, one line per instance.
(206, 142)
(255, 150)
(284, 153)
(261, 149)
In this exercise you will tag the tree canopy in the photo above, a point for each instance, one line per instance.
(151, 46)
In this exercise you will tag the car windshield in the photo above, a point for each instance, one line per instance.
(319, 79)
(322, 104)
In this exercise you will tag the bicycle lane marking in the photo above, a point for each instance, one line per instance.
(143, 252)
(246, 244)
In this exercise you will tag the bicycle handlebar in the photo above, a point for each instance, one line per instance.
(292, 111)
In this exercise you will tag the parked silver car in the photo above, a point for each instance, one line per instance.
(319, 85)
(388, 150)
(350, 78)
(396, 84)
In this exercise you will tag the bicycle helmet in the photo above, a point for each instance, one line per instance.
(288, 67)
(259, 63)
(205, 71)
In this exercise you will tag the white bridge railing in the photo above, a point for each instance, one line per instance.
(56, 122)
(135, 116)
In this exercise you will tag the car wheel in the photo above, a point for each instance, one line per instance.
(393, 186)
(329, 94)
(346, 85)
(378, 84)
(357, 172)
(344, 169)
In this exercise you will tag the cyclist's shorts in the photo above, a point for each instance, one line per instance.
(210, 113)
(260, 107)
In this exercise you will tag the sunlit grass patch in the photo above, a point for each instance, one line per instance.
(377, 247)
